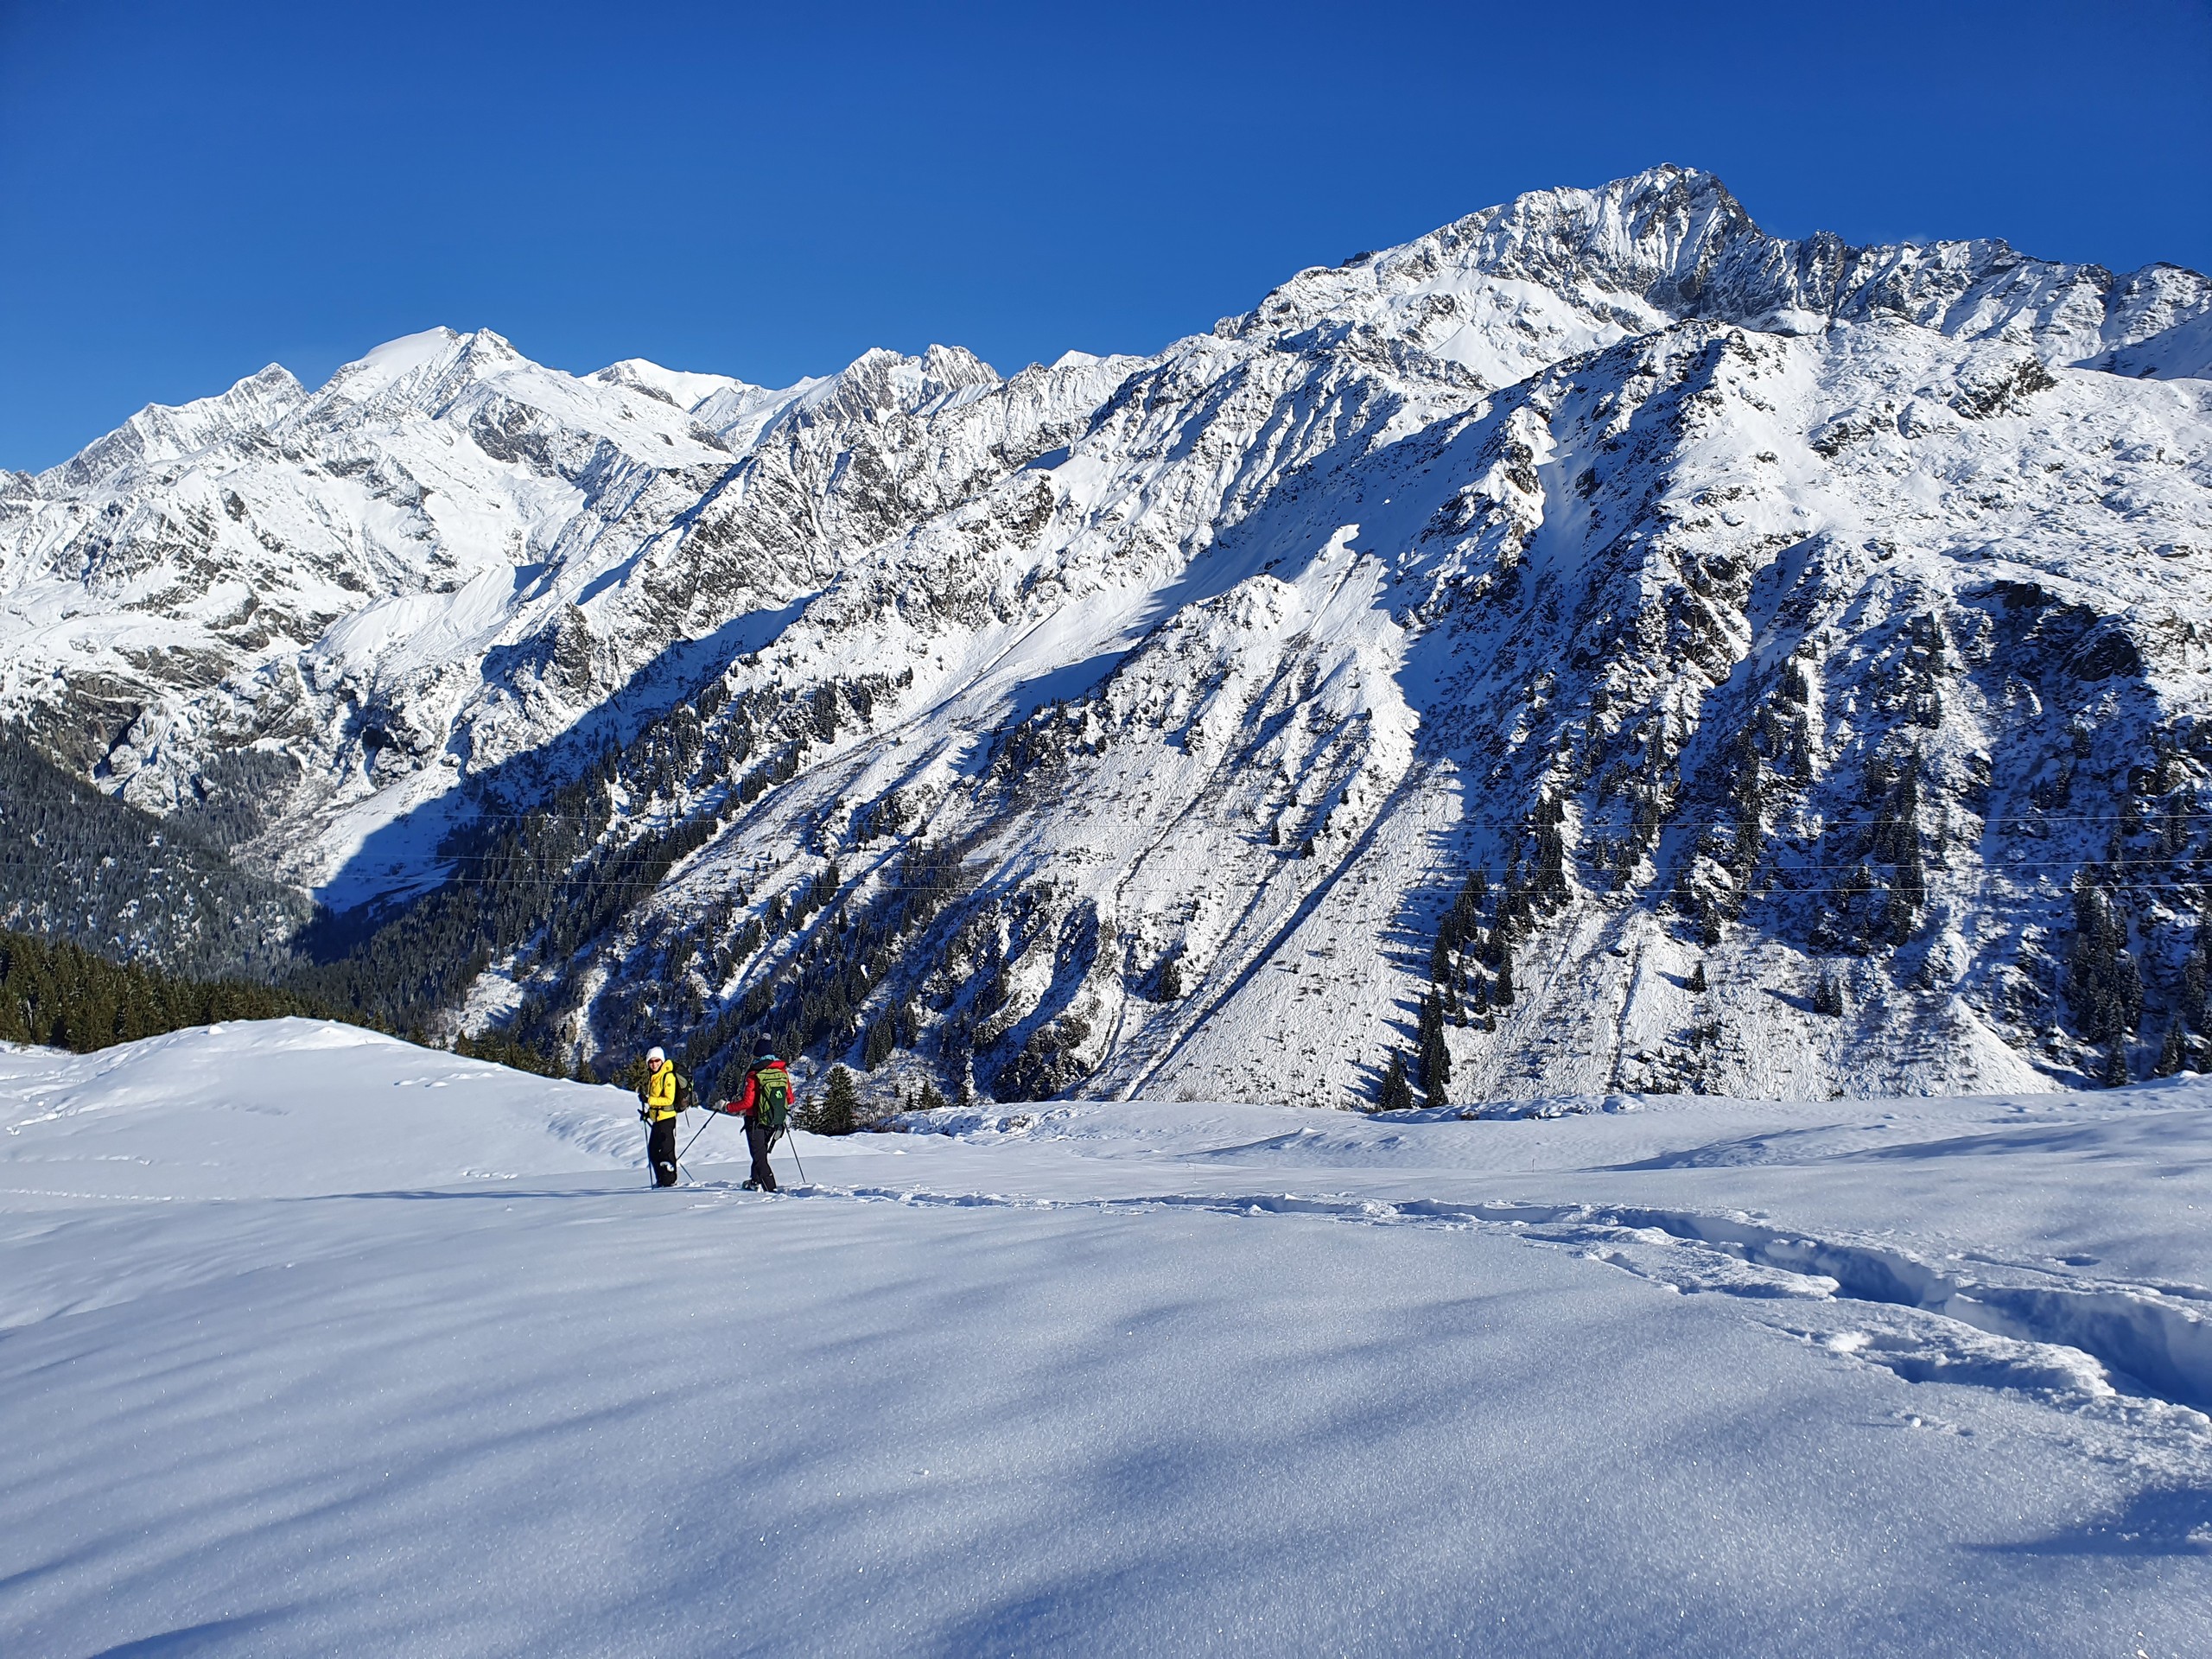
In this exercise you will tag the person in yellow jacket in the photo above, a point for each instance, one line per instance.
(657, 1104)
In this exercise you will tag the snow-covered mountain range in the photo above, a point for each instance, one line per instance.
(1803, 647)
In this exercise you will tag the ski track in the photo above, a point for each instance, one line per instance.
(2076, 1343)
(306, 1327)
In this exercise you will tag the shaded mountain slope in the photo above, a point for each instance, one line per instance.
(1596, 646)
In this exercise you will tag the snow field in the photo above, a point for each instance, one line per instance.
(1093, 1377)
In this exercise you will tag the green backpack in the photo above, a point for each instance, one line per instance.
(771, 1097)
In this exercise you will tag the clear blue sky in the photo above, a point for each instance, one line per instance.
(190, 189)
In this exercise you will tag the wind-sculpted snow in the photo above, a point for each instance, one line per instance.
(315, 1341)
(1803, 643)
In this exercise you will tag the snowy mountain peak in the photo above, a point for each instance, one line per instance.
(425, 371)
(888, 383)
(946, 368)
(1762, 619)
(161, 433)
(1551, 273)
(1656, 234)
(393, 361)
(672, 386)
(879, 386)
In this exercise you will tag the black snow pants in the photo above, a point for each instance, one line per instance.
(758, 1139)
(660, 1150)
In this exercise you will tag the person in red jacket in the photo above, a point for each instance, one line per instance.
(765, 1106)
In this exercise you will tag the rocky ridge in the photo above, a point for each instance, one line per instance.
(1596, 646)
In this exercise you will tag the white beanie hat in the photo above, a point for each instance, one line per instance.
(652, 1054)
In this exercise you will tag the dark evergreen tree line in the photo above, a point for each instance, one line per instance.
(57, 994)
(836, 1110)
(1463, 946)
(1436, 1052)
(1396, 1092)
(78, 865)
(547, 873)
(815, 994)
(2103, 984)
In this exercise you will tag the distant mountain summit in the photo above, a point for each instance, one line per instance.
(1598, 645)
(1515, 287)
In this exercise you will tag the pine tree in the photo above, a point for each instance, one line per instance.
(2116, 1074)
(1827, 993)
(2103, 983)
(1550, 883)
(1502, 993)
(839, 1112)
(1171, 979)
(1397, 1092)
(2173, 1054)
(1474, 893)
(1436, 1052)
(1696, 982)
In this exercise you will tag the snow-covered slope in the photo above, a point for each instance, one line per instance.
(1805, 643)
(318, 1343)
(291, 1109)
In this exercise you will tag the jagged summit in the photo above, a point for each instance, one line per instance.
(159, 433)
(1800, 643)
(1511, 288)
(672, 386)
(1658, 235)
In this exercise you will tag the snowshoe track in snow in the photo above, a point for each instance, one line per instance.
(358, 1342)
(2072, 1341)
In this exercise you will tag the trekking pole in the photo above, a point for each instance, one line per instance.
(802, 1167)
(694, 1141)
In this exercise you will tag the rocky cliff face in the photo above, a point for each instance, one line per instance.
(1596, 646)
(446, 558)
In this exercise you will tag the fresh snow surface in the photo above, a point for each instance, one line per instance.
(318, 1343)
(395, 359)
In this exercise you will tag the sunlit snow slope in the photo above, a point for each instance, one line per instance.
(1825, 627)
(313, 1342)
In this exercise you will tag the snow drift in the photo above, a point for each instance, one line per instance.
(311, 1340)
